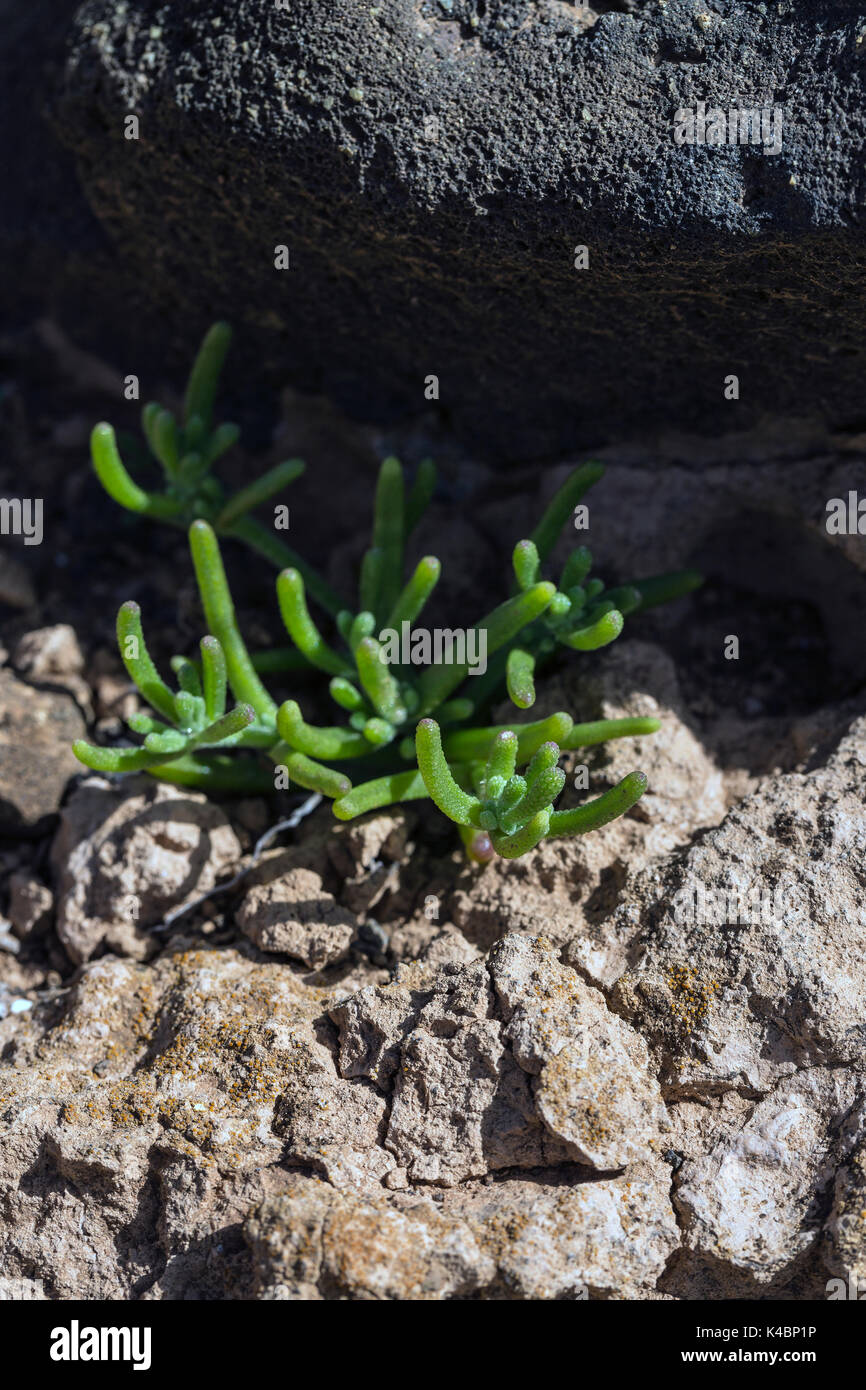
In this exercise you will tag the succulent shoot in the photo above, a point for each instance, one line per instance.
(187, 450)
(582, 614)
(516, 810)
(410, 709)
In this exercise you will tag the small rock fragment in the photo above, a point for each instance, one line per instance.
(126, 855)
(845, 1230)
(8, 942)
(294, 914)
(49, 652)
(31, 903)
(37, 730)
(52, 655)
(365, 1247)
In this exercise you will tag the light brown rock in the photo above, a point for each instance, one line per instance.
(37, 730)
(51, 655)
(565, 889)
(367, 855)
(364, 1248)
(845, 1228)
(752, 1202)
(459, 1045)
(727, 1003)
(127, 854)
(137, 1114)
(31, 903)
(295, 915)
(513, 1239)
(595, 1089)
(49, 652)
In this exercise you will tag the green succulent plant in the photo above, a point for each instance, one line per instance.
(497, 782)
(187, 450)
(515, 812)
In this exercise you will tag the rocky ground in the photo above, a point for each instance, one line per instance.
(631, 1066)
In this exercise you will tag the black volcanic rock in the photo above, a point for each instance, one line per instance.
(432, 165)
(55, 257)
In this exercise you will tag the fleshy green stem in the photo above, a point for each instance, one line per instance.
(500, 626)
(332, 743)
(302, 629)
(119, 485)
(470, 745)
(203, 379)
(415, 594)
(600, 730)
(524, 839)
(137, 660)
(600, 811)
(441, 786)
(599, 633)
(379, 685)
(519, 673)
(662, 588)
(562, 505)
(382, 791)
(389, 536)
(315, 777)
(421, 493)
(220, 613)
(259, 491)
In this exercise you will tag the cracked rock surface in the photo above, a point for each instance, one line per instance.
(664, 1097)
(202, 1117)
(628, 1066)
(751, 960)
